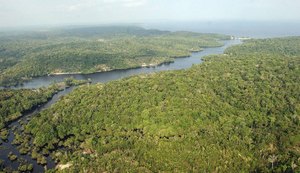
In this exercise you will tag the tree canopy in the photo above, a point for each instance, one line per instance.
(87, 50)
(237, 112)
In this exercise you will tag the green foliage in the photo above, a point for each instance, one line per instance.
(14, 102)
(4, 134)
(12, 157)
(91, 50)
(25, 167)
(237, 112)
(71, 81)
(288, 46)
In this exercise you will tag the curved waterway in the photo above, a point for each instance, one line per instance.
(179, 63)
(8, 147)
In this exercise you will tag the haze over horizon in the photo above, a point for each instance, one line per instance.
(19, 13)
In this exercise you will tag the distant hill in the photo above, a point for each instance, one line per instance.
(236, 112)
(108, 31)
(80, 31)
(25, 55)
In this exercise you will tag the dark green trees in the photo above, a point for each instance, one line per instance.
(237, 112)
(14, 102)
(92, 50)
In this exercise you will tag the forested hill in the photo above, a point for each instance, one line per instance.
(288, 46)
(109, 31)
(92, 49)
(81, 31)
(237, 112)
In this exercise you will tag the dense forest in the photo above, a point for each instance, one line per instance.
(87, 50)
(14, 102)
(237, 112)
(17, 106)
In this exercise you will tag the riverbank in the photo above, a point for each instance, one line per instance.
(17, 126)
(141, 122)
(14, 151)
(179, 63)
(102, 77)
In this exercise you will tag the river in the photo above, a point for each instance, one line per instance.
(179, 63)
(8, 147)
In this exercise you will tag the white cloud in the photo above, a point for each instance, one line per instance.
(126, 3)
(98, 4)
(81, 5)
(134, 3)
(34, 12)
(74, 7)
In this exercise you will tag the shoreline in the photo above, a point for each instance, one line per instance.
(141, 66)
(25, 115)
(120, 69)
(173, 59)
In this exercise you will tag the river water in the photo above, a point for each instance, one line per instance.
(8, 147)
(179, 63)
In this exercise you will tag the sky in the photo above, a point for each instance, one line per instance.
(14, 13)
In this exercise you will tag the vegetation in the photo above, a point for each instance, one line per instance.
(14, 102)
(277, 46)
(3, 134)
(21, 101)
(71, 81)
(25, 167)
(88, 50)
(12, 157)
(237, 112)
